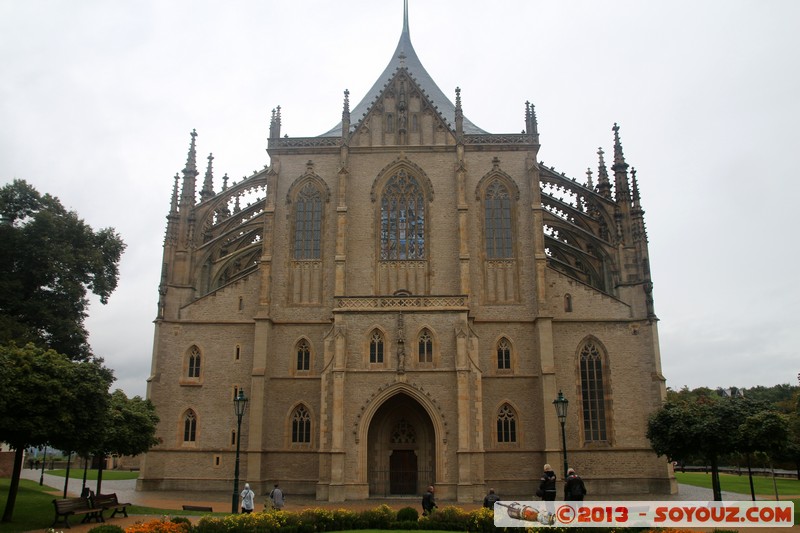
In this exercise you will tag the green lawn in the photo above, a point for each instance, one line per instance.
(77, 473)
(741, 484)
(34, 506)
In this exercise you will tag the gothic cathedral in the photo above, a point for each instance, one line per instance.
(401, 299)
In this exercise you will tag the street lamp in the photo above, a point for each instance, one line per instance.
(239, 405)
(560, 404)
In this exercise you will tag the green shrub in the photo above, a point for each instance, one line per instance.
(180, 520)
(406, 514)
(378, 518)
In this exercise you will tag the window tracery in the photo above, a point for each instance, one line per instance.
(592, 393)
(402, 219)
(506, 424)
(301, 425)
(497, 221)
(307, 222)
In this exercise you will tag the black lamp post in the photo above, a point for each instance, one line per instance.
(239, 405)
(560, 404)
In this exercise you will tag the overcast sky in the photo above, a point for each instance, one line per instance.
(98, 97)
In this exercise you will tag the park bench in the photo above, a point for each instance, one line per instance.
(205, 509)
(73, 507)
(110, 501)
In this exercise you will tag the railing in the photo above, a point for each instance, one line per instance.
(400, 483)
(401, 302)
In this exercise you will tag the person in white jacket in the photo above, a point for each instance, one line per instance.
(248, 497)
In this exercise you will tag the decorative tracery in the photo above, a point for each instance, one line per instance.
(592, 393)
(307, 223)
(497, 220)
(402, 218)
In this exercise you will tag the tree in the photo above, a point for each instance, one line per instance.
(130, 428)
(49, 258)
(765, 431)
(47, 398)
(704, 427)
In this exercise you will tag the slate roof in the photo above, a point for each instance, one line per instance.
(405, 57)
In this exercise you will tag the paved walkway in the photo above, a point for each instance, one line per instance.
(221, 501)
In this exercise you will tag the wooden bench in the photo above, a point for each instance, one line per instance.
(198, 508)
(110, 501)
(76, 506)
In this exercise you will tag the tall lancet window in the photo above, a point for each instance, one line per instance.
(307, 223)
(402, 219)
(592, 393)
(497, 217)
(301, 425)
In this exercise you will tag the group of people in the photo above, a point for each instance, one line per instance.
(574, 490)
(276, 499)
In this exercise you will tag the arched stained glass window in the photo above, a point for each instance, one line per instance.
(189, 426)
(194, 362)
(307, 223)
(497, 220)
(376, 347)
(303, 355)
(301, 425)
(503, 354)
(425, 347)
(592, 393)
(402, 219)
(506, 424)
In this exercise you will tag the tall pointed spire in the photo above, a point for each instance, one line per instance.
(405, 57)
(346, 114)
(620, 168)
(603, 185)
(459, 116)
(190, 174)
(405, 19)
(275, 123)
(173, 208)
(208, 183)
(637, 213)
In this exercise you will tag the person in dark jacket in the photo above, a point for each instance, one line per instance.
(490, 498)
(574, 489)
(547, 484)
(428, 502)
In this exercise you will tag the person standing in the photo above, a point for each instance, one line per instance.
(574, 489)
(547, 486)
(276, 495)
(428, 502)
(490, 498)
(248, 497)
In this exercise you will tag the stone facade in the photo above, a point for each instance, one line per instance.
(401, 299)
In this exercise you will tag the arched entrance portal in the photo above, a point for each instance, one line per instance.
(401, 448)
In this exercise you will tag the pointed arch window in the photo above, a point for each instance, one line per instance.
(403, 433)
(425, 346)
(497, 220)
(376, 347)
(189, 426)
(307, 223)
(503, 354)
(402, 219)
(301, 426)
(303, 355)
(506, 424)
(592, 393)
(194, 362)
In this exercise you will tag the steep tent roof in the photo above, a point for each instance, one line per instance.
(405, 57)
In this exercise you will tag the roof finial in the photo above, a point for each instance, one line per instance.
(603, 185)
(405, 18)
(190, 174)
(208, 182)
